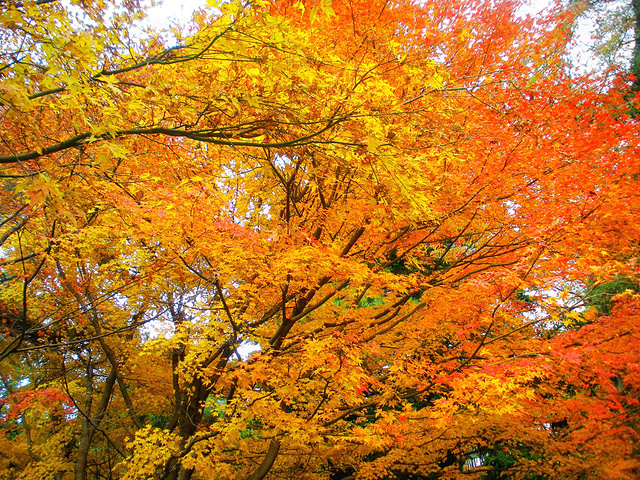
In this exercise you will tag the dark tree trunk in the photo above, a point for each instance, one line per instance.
(635, 59)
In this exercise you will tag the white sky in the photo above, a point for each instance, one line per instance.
(180, 11)
(174, 10)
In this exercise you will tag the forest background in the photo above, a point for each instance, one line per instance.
(317, 240)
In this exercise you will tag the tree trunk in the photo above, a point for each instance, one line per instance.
(635, 59)
(89, 425)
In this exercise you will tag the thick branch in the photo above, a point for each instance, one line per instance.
(206, 137)
(267, 461)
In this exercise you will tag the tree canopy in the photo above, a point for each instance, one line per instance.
(375, 239)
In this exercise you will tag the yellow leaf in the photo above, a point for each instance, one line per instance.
(373, 144)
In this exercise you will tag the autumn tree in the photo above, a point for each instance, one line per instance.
(313, 240)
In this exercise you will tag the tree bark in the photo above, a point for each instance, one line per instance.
(635, 59)
(267, 462)
(89, 425)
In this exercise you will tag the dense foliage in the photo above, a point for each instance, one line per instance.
(314, 240)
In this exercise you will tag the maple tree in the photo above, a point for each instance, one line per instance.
(333, 240)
